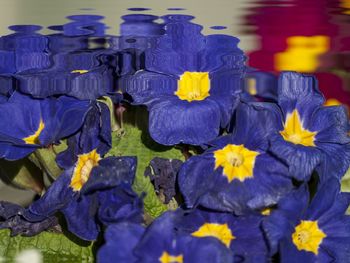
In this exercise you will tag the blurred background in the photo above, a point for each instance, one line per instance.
(310, 36)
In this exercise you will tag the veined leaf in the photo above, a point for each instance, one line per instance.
(345, 186)
(53, 247)
(131, 141)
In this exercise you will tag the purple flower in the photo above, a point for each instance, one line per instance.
(190, 84)
(242, 234)
(95, 191)
(309, 135)
(160, 243)
(311, 232)
(32, 123)
(237, 173)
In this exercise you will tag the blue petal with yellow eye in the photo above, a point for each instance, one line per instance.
(32, 123)
(312, 135)
(298, 91)
(173, 120)
(331, 240)
(95, 133)
(106, 197)
(176, 117)
(160, 242)
(253, 183)
(243, 235)
(190, 83)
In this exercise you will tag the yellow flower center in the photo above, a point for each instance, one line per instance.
(193, 86)
(219, 231)
(237, 161)
(251, 86)
(34, 138)
(266, 211)
(167, 258)
(294, 131)
(308, 236)
(83, 169)
(80, 71)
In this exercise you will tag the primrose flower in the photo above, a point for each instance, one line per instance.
(94, 190)
(95, 133)
(160, 242)
(241, 234)
(190, 83)
(237, 173)
(315, 232)
(309, 135)
(28, 124)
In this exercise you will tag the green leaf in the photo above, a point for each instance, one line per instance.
(114, 122)
(345, 182)
(345, 185)
(131, 141)
(53, 247)
(23, 174)
(46, 159)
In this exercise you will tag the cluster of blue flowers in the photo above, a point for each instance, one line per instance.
(263, 157)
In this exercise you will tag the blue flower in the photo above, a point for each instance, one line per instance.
(315, 232)
(190, 83)
(160, 242)
(309, 135)
(121, 239)
(95, 133)
(31, 123)
(237, 173)
(94, 191)
(243, 235)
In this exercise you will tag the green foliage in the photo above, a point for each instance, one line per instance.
(345, 182)
(345, 185)
(114, 122)
(46, 158)
(131, 141)
(22, 173)
(53, 247)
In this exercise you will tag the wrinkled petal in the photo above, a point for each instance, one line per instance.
(298, 91)
(172, 121)
(121, 240)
